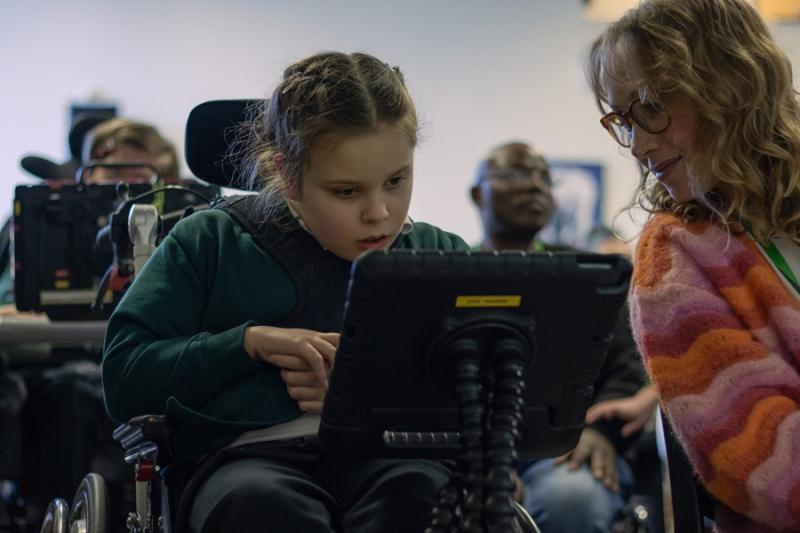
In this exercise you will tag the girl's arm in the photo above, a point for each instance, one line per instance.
(155, 345)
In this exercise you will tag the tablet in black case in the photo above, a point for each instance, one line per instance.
(392, 387)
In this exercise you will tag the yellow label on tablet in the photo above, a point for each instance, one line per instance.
(494, 300)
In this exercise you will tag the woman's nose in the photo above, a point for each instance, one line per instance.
(642, 142)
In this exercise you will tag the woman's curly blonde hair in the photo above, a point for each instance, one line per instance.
(719, 55)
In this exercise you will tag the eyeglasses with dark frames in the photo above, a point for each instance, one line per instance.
(650, 116)
(517, 176)
(134, 171)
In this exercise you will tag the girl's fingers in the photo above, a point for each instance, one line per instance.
(315, 360)
(304, 394)
(325, 348)
(332, 338)
(310, 407)
(289, 362)
(303, 378)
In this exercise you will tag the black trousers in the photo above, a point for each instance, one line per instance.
(317, 494)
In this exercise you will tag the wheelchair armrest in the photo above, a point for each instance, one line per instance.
(142, 436)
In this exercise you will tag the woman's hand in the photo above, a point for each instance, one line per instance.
(636, 410)
(295, 350)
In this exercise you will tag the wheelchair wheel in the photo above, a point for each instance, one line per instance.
(55, 519)
(89, 512)
(523, 522)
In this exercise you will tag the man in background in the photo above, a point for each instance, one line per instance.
(513, 194)
(585, 489)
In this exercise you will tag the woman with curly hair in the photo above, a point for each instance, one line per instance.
(703, 97)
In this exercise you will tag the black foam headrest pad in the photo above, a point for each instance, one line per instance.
(210, 129)
(46, 169)
(81, 125)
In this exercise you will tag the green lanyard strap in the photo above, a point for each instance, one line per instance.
(777, 258)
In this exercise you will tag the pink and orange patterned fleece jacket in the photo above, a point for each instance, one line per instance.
(720, 336)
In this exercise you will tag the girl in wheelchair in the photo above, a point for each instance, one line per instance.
(231, 328)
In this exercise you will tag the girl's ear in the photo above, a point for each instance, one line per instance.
(290, 189)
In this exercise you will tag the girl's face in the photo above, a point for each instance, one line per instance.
(672, 156)
(355, 193)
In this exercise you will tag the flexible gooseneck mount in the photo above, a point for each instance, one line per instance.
(487, 361)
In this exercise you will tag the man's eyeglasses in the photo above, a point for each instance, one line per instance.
(650, 116)
(516, 176)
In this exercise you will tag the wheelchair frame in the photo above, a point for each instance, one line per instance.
(142, 439)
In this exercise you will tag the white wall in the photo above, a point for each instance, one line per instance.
(482, 72)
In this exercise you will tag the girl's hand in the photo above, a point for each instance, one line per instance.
(636, 410)
(305, 388)
(293, 349)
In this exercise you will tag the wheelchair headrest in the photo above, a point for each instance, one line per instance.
(210, 129)
(46, 169)
(82, 124)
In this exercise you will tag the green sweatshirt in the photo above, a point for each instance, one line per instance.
(174, 345)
